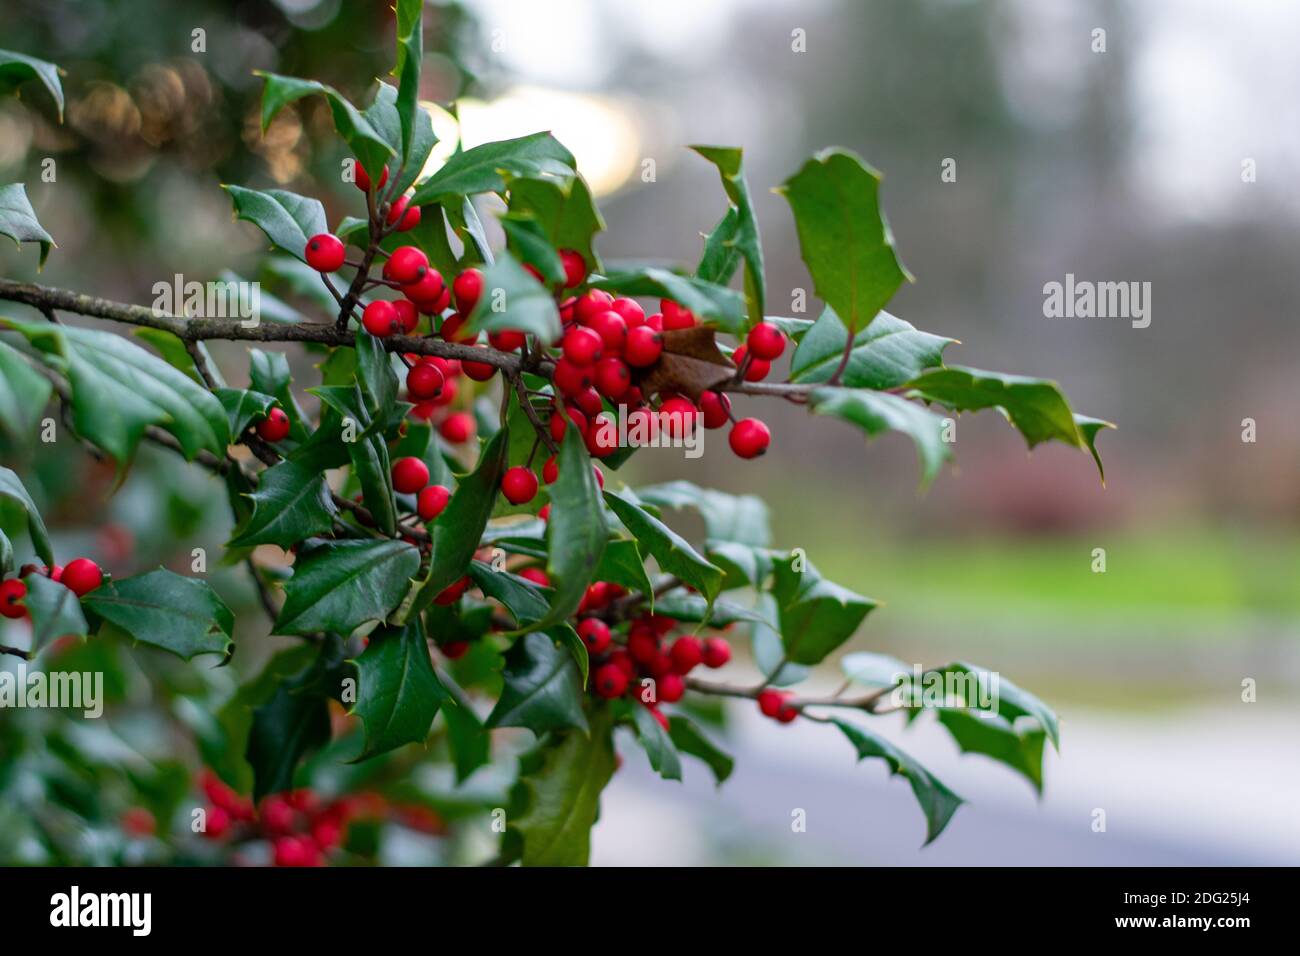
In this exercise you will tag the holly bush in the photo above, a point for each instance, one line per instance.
(440, 595)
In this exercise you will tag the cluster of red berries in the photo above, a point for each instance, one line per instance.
(301, 826)
(776, 704)
(80, 576)
(621, 662)
(605, 340)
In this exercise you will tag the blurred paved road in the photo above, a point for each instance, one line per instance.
(1195, 788)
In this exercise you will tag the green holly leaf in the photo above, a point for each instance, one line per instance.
(712, 304)
(55, 611)
(162, 608)
(490, 167)
(457, 531)
(996, 737)
(368, 452)
(744, 236)
(17, 68)
(291, 720)
(1035, 406)
(816, 615)
(843, 236)
(874, 670)
(243, 406)
(464, 221)
(17, 218)
(119, 389)
(269, 374)
(658, 746)
(528, 242)
(292, 503)
(1089, 428)
(289, 220)
(1010, 700)
(468, 740)
(6, 554)
(696, 610)
(24, 393)
(622, 564)
(11, 488)
(938, 803)
(878, 412)
(340, 585)
(365, 142)
(673, 553)
(575, 531)
(735, 518)
(562, 795)
(689, 739)
(742, 564)
(410, 51)
(569, 218)
(769, 651)
(513, 299)
(543, 687)
(887, 353)
(525, 601)
(398, 693)
(375, 374)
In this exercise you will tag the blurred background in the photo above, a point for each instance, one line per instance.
(1122, 165)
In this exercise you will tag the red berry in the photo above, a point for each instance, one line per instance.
(519, 485)
(575, 267)
(765, 342)
(595, 634)
(678, 416)
(612, 377)
(771, 701)
(686, 654)
(545, 513)
(786, 713)
(12, 593)
(612, 330)
(716, 408)
(610, 681)
(216, 823)
(560, 421)
(408, 316)
(408, 215)
(508, 340)
(81, 576)
(295, 851)
(655, 321)
(448, 393)
(675, 317)
(643, 645)
(457, 427)
(424, 382)
(620, 659)
(588, 400)
(426, 289)
(138, 822)
(381, 318)
(468, 287)
(643, 346)
(452, 327)
(478, 371)
(717, 652)
(409, 475)
(630, 310)
(431, 501)
(453, 650)
(406, 265)
(274, 427)
(642, 426)
(758, 368)
(550, 471)
(324, 252)
(537, 576)
(362, 178)
(659, 717)
(450, 595)
(582, 346)
(572, 379)
(602, 437)
(670, 688)
(749, 438)
(591, 304)
(595, 598)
